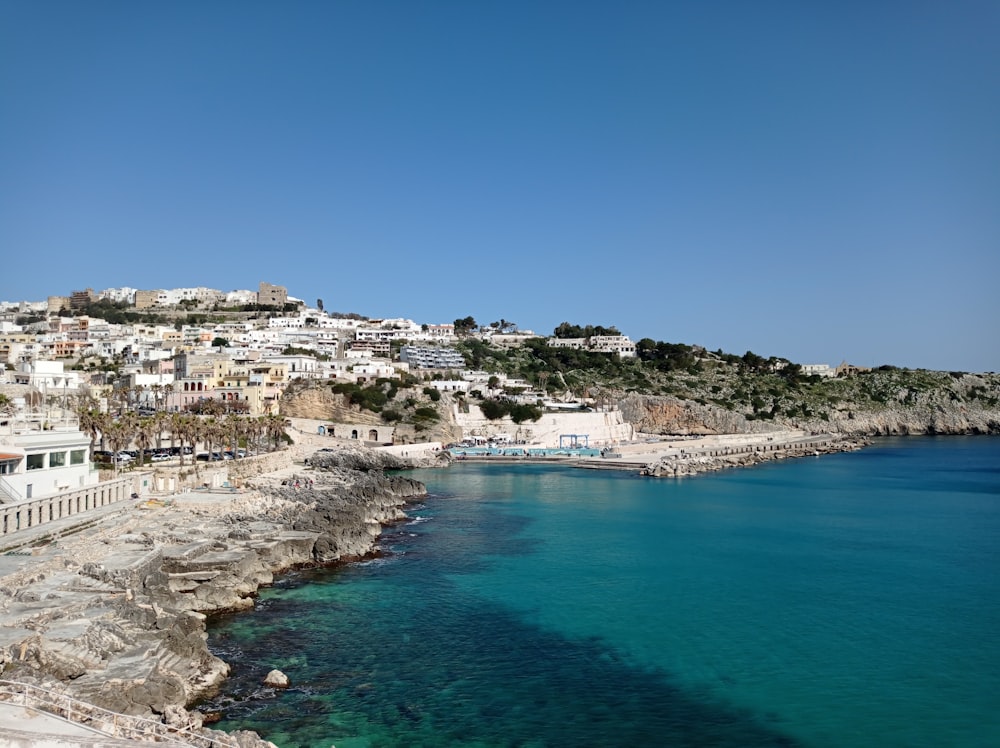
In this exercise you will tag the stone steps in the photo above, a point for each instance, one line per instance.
(72, 650)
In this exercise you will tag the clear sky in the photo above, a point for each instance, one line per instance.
(819, 181)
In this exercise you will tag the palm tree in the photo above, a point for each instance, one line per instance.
(145, 430)
(275, 427)
(209, 432)
(119, 432)
(236, 425)
(194, 430)
(89, 419)
(161, 423)
(256, 430)
(177, 424)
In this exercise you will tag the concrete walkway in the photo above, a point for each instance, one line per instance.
(23, 719)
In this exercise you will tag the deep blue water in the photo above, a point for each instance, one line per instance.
(846, 600)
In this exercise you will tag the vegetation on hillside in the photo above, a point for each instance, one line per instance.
(757, 387)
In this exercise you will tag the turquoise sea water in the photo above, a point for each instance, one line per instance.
(846, 600)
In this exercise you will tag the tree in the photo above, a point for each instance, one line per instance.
(319, 304)
(145, 431)
(465, 326)
(220, 343)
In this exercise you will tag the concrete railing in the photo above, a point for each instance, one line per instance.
(35, 512)
(105, 721)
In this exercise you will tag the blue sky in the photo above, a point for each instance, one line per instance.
(819, 181)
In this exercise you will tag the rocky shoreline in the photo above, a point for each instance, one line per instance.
(116, 616)
(677, 466)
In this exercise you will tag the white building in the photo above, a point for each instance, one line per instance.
(125, 294)
(241, 297)
(39, 463)
(421, 357)
(574, 343)
(618, 344)
(820, 370)
(47, 376)
(299, 367)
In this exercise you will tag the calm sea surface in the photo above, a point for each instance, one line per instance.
(847, 600)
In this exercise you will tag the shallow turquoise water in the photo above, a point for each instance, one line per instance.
(845, 600)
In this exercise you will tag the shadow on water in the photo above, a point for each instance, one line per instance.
(397, 654)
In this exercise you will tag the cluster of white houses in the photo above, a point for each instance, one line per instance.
(173, 367)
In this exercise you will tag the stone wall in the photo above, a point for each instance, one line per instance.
(250, 467)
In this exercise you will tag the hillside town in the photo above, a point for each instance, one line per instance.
(170, 451)
(69, 376)
(244, 361)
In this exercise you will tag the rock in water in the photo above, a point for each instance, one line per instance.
(277, 679)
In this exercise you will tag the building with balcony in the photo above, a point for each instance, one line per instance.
(36, 462)
(429, 357)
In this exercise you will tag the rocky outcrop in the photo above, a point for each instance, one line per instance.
(310, 400)
(651, 414)
(276, 679)
(929, 416)
(316, 400)
(119, 618)
(875, 404)
(444, 430)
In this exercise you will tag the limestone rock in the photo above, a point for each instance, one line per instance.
(276, 679)
(670, 415)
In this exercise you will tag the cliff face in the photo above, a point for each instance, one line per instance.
(651, 414)
(920, 402)
(922, 418)
(965, 406)
(319, 402)
(315, 400)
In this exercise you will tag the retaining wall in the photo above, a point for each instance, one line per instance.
(250, 467)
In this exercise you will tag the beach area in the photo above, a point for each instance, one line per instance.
(109, 607)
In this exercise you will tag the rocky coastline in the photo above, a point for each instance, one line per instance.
(931, 412)
(116, 616)
(683, 465)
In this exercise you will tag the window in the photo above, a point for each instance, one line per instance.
(57, 459)
(35, 462)
(77, 457)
